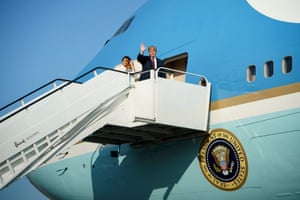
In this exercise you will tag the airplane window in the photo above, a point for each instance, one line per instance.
(251, 73)
(269, 69)
(124, 26)
(287, 63)
(122, 29)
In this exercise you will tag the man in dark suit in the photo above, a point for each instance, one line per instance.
(150, 62)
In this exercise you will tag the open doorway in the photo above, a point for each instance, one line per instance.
(178, 64)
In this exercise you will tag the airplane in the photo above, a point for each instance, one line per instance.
(223, 124)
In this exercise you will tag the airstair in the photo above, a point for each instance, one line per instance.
(108, 108)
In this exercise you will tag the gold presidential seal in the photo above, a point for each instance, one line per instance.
(223, 160)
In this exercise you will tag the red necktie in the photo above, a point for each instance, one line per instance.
(153, 64)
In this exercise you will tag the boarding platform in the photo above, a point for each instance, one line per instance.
(110, 107)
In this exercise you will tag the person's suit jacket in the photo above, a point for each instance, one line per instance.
(147, 65)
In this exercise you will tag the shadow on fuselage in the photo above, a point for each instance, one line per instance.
(144, 172)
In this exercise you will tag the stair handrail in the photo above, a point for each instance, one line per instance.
(33, 91)
(63, 85)
(165, 70)
(154, 73)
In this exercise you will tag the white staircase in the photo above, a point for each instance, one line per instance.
(109, 108)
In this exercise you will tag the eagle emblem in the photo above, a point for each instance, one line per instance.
(221, 157)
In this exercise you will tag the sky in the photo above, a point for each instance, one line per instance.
(41, 40)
